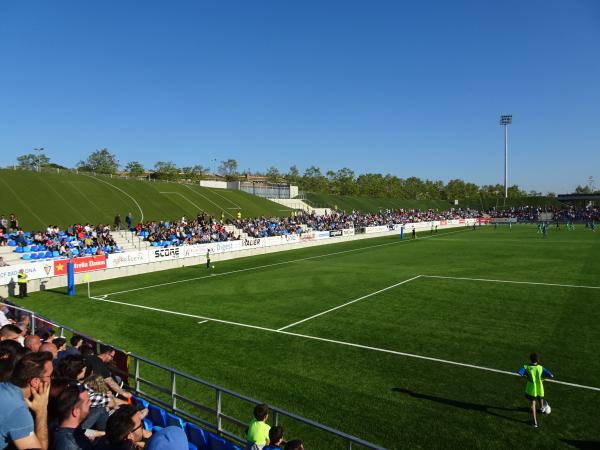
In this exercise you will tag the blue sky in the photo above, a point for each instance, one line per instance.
(408, 88)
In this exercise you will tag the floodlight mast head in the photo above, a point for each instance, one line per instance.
(505, 121)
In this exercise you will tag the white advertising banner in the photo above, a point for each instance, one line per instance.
(281, 240)
(34, 271)
(377, 229)
(348, 232)
(127, 259)
(322, 235)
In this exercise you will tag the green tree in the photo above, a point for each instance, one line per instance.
(165, 170)
(199, 171)
(273, 175)
(135, 169)
(293, 176)
(345, 182)
(29, 161)
(314, 181)
(228, 169)
(371, 185)
(515, 192)
(100, 161)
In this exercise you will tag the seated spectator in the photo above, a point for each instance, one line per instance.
(33, 343)
(102, 402)
(24, 323)
(61, 344)
(169, 438)
(3, 319)
(257, 434)
(49, 347)
(125, 429)
(72, 368)
(296, 444)
(10, 331)
(10, 353)
(275, 438)
(28, 389)
(73, 405)
(98, 365)
(76, 343)
(2, 262)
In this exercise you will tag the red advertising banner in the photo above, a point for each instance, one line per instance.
(443, 223)
(84, 264)
(461, 221)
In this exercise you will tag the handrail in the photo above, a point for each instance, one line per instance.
(218, 390)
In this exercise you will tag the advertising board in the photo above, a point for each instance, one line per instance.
(84, 264)
(127, 259)
(34, 271)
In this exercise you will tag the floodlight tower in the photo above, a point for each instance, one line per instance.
(39, 150)
(505, 121)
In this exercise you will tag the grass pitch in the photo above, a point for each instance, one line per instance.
(364, 337)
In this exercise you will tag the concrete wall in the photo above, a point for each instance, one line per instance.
(107, 274)
(213, 184)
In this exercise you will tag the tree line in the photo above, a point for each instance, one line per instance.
(343, 181)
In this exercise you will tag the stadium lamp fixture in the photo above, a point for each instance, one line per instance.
(505, 121)
(39, 150)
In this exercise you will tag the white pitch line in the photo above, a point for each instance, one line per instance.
(205, 197)
(513, 282)
(119, 189)
(183, 196)
(203, 321)
(348, 303)
(280, 263)
(223, 197)
(344, 343)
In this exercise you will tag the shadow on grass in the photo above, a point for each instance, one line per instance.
(488, 409)
(582, 445)
(57, 291)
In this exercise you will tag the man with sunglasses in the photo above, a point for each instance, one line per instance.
(125, 429)
(28, 389)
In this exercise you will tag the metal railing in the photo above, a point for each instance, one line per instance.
(169, 396)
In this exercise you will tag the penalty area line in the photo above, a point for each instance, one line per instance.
(537, 283)
(348, 303)
(344, 343)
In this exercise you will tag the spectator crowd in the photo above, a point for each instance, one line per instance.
(75, 240)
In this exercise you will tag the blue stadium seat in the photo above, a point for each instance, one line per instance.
(196, 436)
(174, 421)
(75, 252)
(26, 256)
(12, 243)
(88, 251)
(27, 248)
(19, 250)
(218, 443)
(55, 254)
(33, 255)
(157, 415)
(42, 255)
